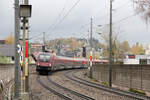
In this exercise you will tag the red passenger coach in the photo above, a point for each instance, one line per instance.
(66, 62)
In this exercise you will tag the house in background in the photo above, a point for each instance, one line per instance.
(137, 59)
(7, 53)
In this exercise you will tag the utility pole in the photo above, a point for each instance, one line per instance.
(91, 32)
(17, 52)
(44, 38)
(43, 47)
(91, 41)
(110, 46)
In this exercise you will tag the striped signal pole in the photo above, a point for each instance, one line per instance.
(25, 53)
(91, 64)
(91, 39)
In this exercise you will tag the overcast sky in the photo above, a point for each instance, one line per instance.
(47, 17)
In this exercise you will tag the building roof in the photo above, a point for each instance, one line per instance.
(7, 50)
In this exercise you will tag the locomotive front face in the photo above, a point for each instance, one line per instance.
(44, 59)
(43, 62)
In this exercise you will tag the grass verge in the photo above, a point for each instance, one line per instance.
(137, 91)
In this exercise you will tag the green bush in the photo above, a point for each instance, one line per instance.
(4, 60)
(137, 91)
(105, 83)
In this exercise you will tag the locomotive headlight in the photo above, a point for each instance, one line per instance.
(49, 64)
(38, 64)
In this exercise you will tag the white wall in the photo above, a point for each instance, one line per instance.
(131, 61)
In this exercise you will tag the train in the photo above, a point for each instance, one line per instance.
(47, 62)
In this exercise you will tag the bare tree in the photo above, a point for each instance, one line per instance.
(116, 45)
(142, 7)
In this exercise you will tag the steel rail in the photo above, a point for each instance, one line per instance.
(71, 91)
(105, 88)
(52, 90)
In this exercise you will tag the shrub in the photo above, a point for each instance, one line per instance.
(4, 60)
(105, 83)
(137, 91)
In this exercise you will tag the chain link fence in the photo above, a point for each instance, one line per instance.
(6, 75)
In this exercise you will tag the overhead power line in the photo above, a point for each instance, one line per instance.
(59, 16)
(119, 7)
(36, 36)
(115, 9)
(61, 20)
(123, 19)
(54, 25)
(65, 16)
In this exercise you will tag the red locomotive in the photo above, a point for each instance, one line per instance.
(44, 62)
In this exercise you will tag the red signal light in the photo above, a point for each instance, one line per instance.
(26, 49)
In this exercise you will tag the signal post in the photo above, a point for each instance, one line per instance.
(25, 13)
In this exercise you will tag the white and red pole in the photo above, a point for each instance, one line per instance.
(90, 68)
(91, 59)
(26, 58)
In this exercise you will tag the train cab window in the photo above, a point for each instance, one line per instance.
(44, 57)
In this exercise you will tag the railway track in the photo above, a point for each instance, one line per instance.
(52, 90)
(70, 75)
(84, 97)
(61, 91)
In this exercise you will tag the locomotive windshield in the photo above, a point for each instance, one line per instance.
(44, 57)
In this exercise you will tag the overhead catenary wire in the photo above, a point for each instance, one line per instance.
(36, 36)
(59, 16)
(61, 20)
(119, 7)
(115, 9)
(65, 16)
(125, 18)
